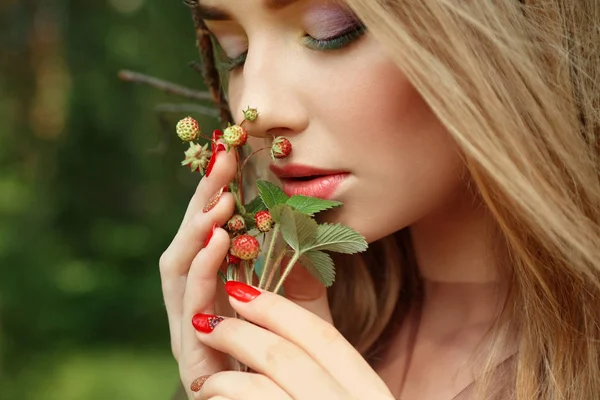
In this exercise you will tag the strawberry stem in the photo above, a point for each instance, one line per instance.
(274, 234)
(247, 272)
(274, 268)
(239, 175)
(287, 271)
(251, 154)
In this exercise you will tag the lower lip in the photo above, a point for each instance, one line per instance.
(323, 187)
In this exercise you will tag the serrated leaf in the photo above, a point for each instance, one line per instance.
(339, 239)
(276, 212)
(311, 205)
(298, 230)
(249, 221)
(271, 194)
(320, 265)
(255, 205)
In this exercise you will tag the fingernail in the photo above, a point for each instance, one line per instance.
(205, 323)
(217, 134)
(197, 384)
(213, 159)
(240, 291)
(210, 234)
(212, 202)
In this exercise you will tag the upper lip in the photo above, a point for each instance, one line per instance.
(299, 171)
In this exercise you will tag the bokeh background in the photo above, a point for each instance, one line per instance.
(91, 193)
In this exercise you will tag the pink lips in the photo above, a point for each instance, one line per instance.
(309, 181)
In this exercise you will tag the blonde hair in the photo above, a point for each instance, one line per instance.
(517, 85)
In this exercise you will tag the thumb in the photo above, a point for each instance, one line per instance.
(305, 290)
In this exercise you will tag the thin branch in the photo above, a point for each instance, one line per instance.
(196, 66)
(187, 108)
(165, 86)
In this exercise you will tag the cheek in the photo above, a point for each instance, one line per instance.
(406, 166)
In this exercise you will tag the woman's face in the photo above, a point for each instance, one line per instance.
(317, 77)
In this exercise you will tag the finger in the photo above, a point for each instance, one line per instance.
(177, 259)
(241, 386)
(199, 297)
(265, 352)
(305, 290)
(222, 173)
(319, 339)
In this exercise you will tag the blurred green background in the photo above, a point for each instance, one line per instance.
(91, 193)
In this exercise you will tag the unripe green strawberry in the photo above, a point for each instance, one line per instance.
(188, 129)
(236, 223)
(245, 247)
(281, 148)
(197, 157)
(235, 136)
(250, 114)
(264, 221)
(231, 259)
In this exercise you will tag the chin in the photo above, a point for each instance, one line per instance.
(361, 223)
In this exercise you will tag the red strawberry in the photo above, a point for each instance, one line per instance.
(264, 221)
(231, 259)
(236, 223)
(235, 136)
(188, 129)
(245, 247)
(281, 148)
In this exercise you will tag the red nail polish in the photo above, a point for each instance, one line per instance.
(240, 291)
(210, 234)
(213, 159)
(205, 323)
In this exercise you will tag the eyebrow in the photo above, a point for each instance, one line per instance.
(210, 13)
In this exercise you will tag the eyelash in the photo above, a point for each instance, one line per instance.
(332, 43)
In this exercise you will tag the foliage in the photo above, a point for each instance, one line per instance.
(88, 196)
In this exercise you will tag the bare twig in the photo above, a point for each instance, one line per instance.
(165, 86)
(196, 66)
(187, 108)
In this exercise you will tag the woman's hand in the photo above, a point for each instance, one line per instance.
(189, 277)
(296, 355)
(190, 265)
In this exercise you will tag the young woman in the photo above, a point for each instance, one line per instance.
(465, 141)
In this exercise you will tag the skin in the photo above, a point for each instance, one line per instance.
(346, 110)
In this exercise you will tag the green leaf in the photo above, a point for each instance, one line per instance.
(255, 205)
(271, 194)
(320, 265)
(338, 238)
(276, 212)
(249, 221)
(311, 205)
(298, 230)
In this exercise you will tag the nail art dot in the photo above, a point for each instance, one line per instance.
(214, 321)
(198, 383)
(212, 202)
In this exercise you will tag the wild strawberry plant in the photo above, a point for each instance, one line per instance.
(271, 218)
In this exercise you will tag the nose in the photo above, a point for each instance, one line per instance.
(268, 83)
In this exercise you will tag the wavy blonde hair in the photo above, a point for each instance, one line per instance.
(517, 85)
